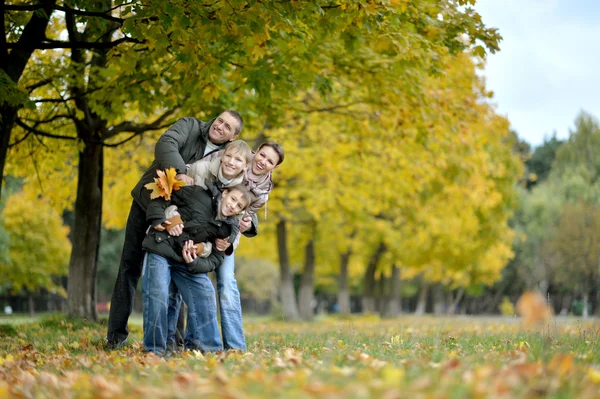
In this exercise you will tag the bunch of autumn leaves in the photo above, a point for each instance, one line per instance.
(164, 184)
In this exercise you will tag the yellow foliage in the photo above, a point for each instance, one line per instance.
(39, 247)
(165, 184)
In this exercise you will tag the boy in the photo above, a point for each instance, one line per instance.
(206, 217)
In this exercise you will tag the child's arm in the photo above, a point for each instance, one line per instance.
(155, 213)
(205, 265)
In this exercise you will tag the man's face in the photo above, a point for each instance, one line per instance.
(265, 160)
(232, 164)
(232, 203)
(223, 129)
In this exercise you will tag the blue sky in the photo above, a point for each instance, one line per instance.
(548, 68)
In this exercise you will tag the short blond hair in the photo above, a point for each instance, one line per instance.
(241, 147)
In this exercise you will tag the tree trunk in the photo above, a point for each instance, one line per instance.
(586, 302)
(14, 64)
(7, 122)
(394, 303)
(438, 300)
(422, 302)
(30, 304)
(286, 284)
(307, 290)
(86, 234)
(368, 299)
(455, 301)
(380, 294)
(343, 295)
(565, 305)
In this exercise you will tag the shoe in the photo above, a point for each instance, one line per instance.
(113, 345)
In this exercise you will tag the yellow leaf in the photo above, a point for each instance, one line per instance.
(165, 184)
(594, 375)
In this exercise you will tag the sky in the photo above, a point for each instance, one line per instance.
(548, 67)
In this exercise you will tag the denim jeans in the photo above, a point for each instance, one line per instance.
(230, 306)
(197, 292)
(230, 309)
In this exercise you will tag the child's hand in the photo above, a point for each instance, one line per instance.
(159, 227)
(186, 179)
(222, 244)
(245, 223)
(174, 231)
(189, 252)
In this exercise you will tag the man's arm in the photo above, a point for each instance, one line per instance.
(168, 147)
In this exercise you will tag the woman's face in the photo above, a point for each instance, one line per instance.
(265, 160)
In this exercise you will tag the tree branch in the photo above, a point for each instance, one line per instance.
(41, 133)
(139, 128)
(52, 44)
(20, 140)
(100, 14)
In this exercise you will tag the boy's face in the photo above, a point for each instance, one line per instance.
(232, 203)
(265, 160)
(232, 164)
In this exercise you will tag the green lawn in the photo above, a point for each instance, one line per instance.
(361, 357)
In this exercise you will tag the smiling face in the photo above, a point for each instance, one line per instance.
(225, 128)
(265, 160)
(233, 202)
(233, 163)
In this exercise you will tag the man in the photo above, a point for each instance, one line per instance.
(188, 140)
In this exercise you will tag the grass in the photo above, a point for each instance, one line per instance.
(362, 357)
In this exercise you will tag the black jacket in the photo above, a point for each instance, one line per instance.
(197, 208)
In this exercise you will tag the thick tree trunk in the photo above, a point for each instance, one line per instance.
(368, 299)
(307, 289)
(86, 234)
(343, 295)
(286, 284)
(422, 302)
(394, 303)
(14, 64)
(6, 124)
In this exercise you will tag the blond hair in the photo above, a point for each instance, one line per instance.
(241, 147)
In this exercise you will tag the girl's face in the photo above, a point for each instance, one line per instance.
(232, 203)
(265, 160)
(232, 164)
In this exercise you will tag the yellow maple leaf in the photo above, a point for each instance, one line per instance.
(164, 184)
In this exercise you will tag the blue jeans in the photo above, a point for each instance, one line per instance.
(197, 292)
(230, 308)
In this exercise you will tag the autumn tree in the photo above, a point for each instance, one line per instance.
(90, 88)
(574, 250)
(38, 246)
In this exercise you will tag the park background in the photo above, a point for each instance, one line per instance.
(404, 189)
(430, 179)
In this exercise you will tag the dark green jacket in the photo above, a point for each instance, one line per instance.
(183, 143)
(197, 208)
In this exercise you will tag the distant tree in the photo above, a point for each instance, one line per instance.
(539, 163)
(39, 246)
(575, 250)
